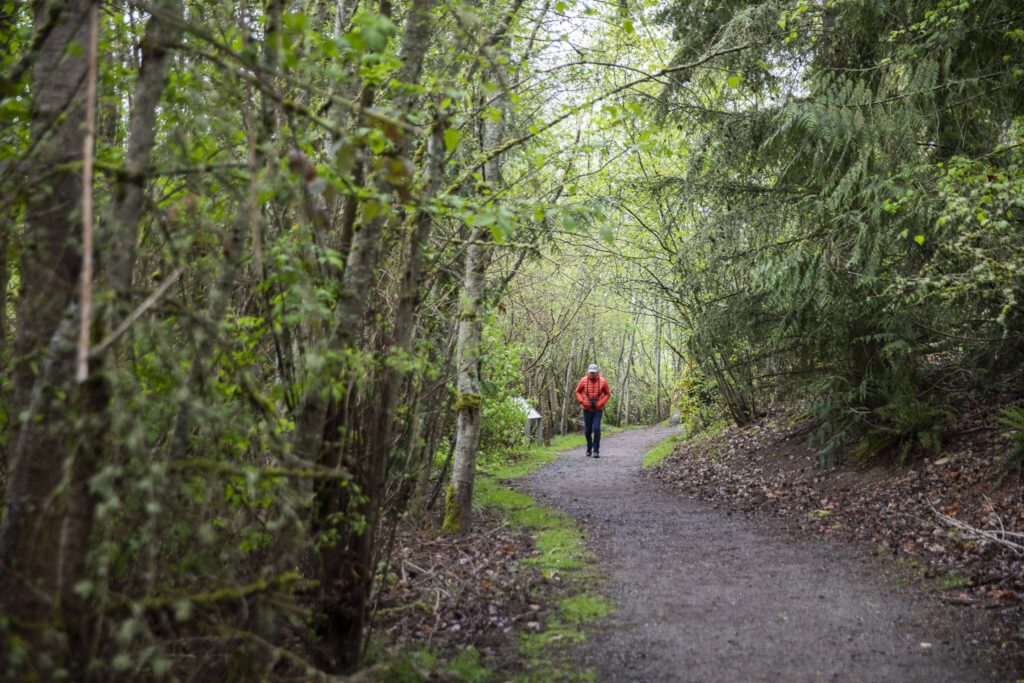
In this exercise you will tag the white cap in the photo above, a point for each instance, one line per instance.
(592, 367)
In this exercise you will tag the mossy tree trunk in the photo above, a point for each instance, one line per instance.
(459, 502)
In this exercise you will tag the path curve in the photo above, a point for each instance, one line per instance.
(703, 595)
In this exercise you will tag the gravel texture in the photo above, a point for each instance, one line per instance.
(705, 595)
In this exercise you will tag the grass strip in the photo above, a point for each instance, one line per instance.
(660, 451)
(563, 558)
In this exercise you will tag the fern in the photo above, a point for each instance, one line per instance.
(909, 425)
(1012, 418)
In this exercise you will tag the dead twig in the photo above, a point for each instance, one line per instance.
(421, 570)
(1000, 536)
(137, 313)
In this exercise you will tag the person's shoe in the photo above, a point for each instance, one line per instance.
(596, 454)
(588, 454)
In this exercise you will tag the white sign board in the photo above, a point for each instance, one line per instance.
(531, 414)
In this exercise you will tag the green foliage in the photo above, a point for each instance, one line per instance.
(1012, 418)
(835, 220)
(696, 401)
(502, 427)
(262, 410)
(908, 425)
(845, 231)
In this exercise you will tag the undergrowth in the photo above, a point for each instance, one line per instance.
(1012, 418)
(416, 666)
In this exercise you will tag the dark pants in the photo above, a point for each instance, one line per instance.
(592, 426)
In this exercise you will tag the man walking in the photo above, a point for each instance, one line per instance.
(592, 392)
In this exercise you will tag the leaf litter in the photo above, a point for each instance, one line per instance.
(445, 592)
(941, 516)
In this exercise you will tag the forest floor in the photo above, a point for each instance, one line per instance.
(702, 593)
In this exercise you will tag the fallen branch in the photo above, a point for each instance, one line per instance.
(1000, 536)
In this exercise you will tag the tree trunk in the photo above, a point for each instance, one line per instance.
(657, 371)
(623, 373)
(5, 278)
(32, 575)
(162, 33)
(625, 378)
(95, 402)
(347, 568)
(459, 501)
(567, 398)
(437, 429)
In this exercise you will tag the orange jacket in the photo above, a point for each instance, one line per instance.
(593, 388)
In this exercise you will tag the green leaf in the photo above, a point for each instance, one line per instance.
(452, 136)
(481, 219)
(734, 81)
(919, 239)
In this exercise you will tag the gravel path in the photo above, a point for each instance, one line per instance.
(703, 595)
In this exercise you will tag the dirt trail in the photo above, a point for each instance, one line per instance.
(703, 595)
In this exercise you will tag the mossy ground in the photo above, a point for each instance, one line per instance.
(423, 665)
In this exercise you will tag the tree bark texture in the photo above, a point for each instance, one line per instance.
(41, 448)
(162, 33)
(459, 501)
(5, 280)
(567, 390)
(96, 403)
(625, 388)
(657, 371)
